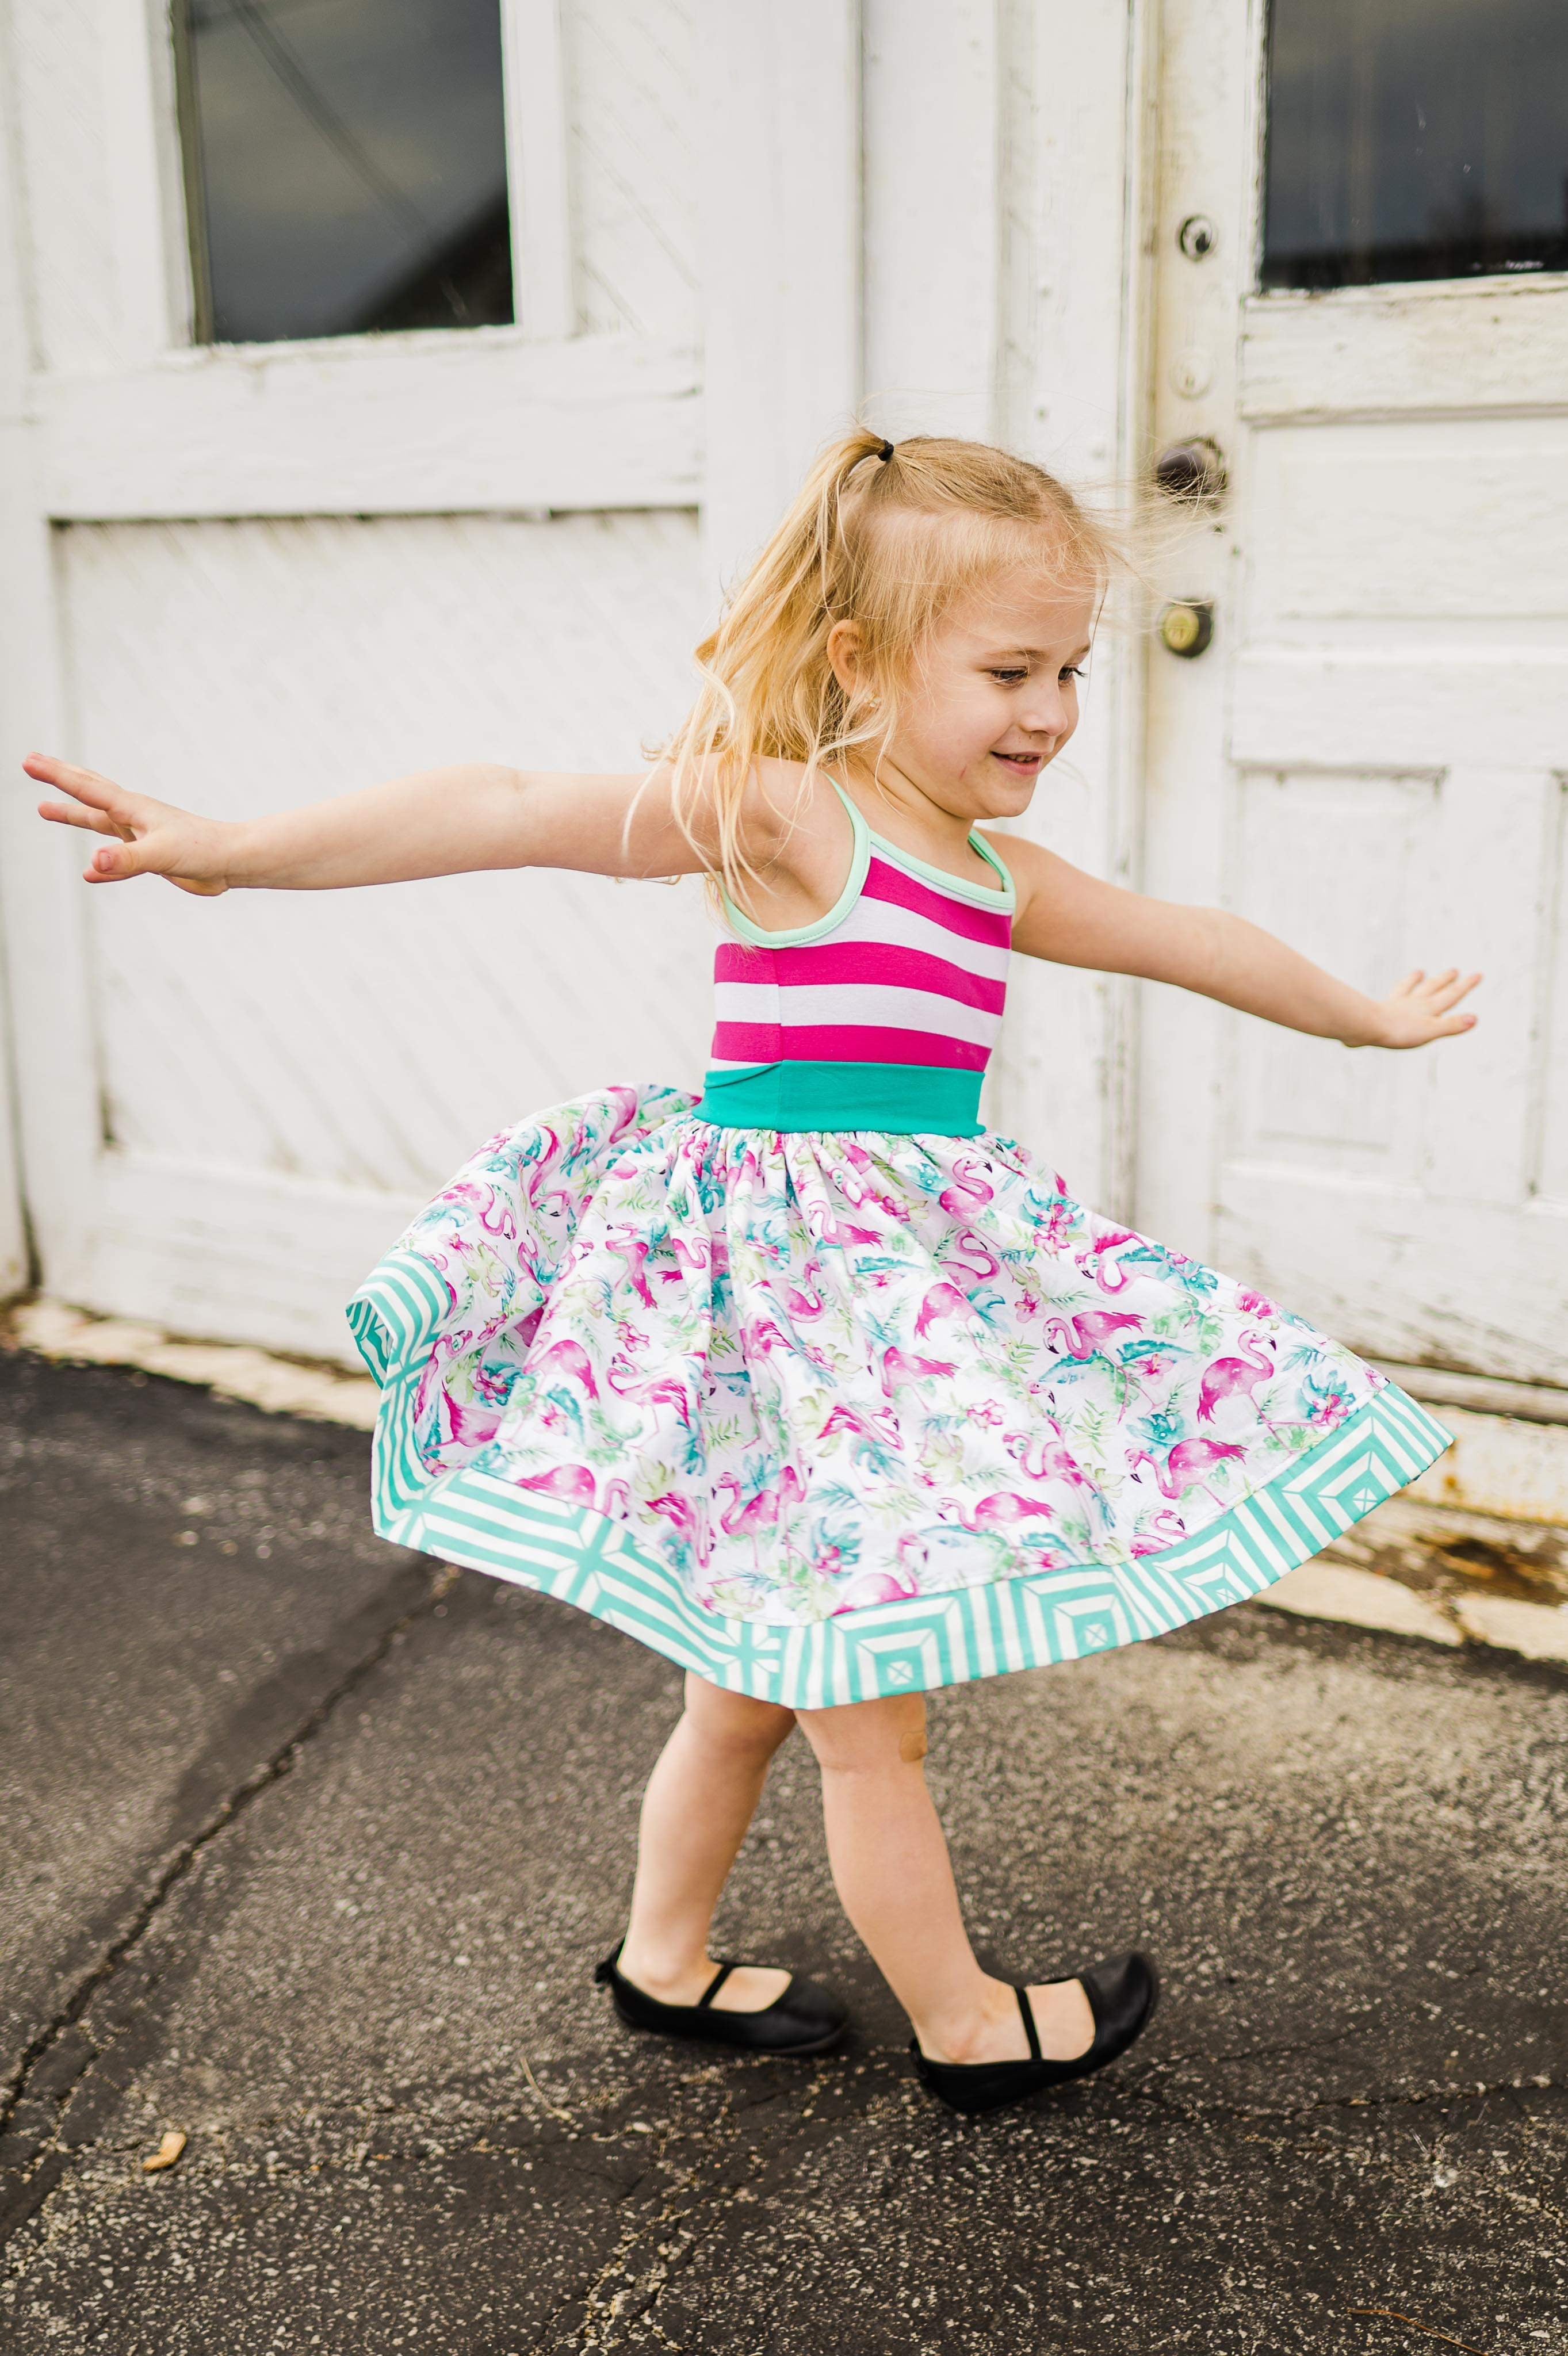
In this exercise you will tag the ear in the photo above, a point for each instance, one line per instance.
(844, 655)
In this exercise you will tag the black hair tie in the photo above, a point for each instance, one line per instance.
(886, 453)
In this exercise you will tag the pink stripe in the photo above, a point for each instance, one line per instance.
(884, 882)
(864, 962)
(842, 1042)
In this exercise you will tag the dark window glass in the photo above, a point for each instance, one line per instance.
(345, 166)
(1415, 139)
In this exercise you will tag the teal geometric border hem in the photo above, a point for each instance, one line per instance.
(585, 1557)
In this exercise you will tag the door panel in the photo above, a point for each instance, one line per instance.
(1420, 521)
(1368, 761)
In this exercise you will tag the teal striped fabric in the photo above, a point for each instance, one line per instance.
(585, 1557)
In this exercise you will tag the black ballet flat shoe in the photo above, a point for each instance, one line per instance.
(805, 2019)
(1122, 1992)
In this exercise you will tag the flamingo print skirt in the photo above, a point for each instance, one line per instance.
(827, 1416)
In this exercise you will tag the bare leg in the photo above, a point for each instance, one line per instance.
(893, 1872)
(700, 1799)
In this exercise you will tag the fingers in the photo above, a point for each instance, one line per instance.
(82, 784)
(116, 862)
(63, 815)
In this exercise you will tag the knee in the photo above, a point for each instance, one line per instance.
(868, 1736)
(735, 1723)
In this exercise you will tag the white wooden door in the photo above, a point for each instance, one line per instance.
(248, 574)
(1370, 758)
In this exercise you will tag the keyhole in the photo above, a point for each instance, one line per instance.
(1197, 236)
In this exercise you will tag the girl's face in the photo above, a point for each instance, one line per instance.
(993, 696)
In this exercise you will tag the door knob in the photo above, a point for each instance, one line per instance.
(1192, 470)
(1187, 627)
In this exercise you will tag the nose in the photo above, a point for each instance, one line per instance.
(1047, 713)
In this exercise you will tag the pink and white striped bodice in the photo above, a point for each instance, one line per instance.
(908, 968)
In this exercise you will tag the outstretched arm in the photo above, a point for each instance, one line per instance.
(442, 822)
(1074, 919)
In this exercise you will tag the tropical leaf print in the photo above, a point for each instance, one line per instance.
(808, 1388)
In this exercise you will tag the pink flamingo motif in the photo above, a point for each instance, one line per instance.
(695, 1261)
(760, 1511)
(968, 1194)
(466, 1427)
(898, 1367)
(572, 1359)
(877, 1587)
(1002, 1510)
(967, 1240)
(1163, 1531)
(628, 1245)
(494, 1218)
(859, 1191)
(1187, 1464)
(1226, 1377)
(759, 1335)
(1082, 1334)
(802, 1300)
(544, 1167)
(650, 1390)
(689, 1520)
(869, 1434)
(625, 1099)
(1108, 1273)
(573, 1484)
(838, 1231)
(1044, 1458)
(942, 1300)
(1256, 1304)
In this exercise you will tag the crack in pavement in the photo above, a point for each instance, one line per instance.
(42, 2162)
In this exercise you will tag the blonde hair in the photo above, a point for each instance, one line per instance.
(888, 536)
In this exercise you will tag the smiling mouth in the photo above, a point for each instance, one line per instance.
(1024, 763)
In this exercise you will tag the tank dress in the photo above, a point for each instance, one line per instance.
(822, 1390)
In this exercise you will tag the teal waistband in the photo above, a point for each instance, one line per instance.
(906, 1099)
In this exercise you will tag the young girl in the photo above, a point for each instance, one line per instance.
(815, 1385)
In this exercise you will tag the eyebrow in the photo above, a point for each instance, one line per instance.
(1036, 654)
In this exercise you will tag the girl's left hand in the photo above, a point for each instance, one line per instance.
(1416, 1010)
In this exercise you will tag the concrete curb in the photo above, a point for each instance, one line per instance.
(1496, 1458)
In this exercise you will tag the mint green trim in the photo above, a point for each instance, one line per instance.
(585, 1557)
(989, 851)
(863, 839)
(899, 1099)
(1004, 902)
(859, 860)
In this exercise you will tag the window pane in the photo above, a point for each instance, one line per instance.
(345, 166)
(1415, 139)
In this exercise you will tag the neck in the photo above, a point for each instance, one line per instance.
(886, 792)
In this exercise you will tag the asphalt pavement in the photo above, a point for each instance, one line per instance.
(307, 1848)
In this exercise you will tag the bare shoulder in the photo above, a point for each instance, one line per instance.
(793, 825)
(1037, 873)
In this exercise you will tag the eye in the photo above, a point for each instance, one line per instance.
(1010, 678)
(1073, 670)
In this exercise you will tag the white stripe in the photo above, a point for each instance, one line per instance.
(853, 1003)
(884, 921)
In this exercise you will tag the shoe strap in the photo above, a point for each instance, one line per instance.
(1030, 2032)
(714, 1985)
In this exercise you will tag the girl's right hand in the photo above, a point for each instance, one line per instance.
(151, 838)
